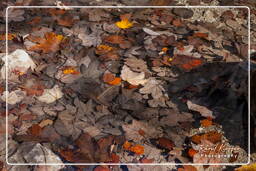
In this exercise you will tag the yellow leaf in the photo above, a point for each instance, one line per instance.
(250, 167)
(124, 24)
(70, 70)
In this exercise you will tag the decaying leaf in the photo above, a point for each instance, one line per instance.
(50, 43)
(133, 78)
(14, 97)
(153, 87)
(132, 131)
(51, 95)
(137, 65)
(201, 109)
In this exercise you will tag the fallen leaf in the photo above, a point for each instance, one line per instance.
(20, 61)
(212, 136)
(137, 149)
(124, 24)
(45, 123)
(51, 95)
(153, 87)
(206, 123)
(177, 22)
(35, 130)
(103, 49)
(249, 167)
(201, 35)
(50, 43)
(192, 152)
(67, 21)
(145, 160)
(114, 39)
(165, 143)
(137, 65)
(14, 97)
(133, 78)
(70, 70)
(116, 81)
(201, 109)
(127, 145)
(108, 77)
(36, 90)
(132, 131)
(10, 36)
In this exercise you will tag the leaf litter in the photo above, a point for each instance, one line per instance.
(107, 85)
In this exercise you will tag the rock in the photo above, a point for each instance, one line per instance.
(183, 12)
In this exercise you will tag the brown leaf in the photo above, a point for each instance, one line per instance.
(114, 39)
(108, 77)
(67, 21)
(102, 168)
(165, 143)
(87, 146)
(50, 42)
(35, 130)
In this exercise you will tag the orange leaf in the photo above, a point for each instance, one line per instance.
(114, 39)
(144, 160)
(196, 139)
(189, 168)
(192, 152)
(9, 37)
(102, 49)
(108, 77)
(130, 86)
(50, 43)
(201, 35)
(115, 158)
(127, 145)
(206, 123)
(137, 149)
(116, 81)
(70, 70)
(165, 143)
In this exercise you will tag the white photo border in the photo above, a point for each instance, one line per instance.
(137, 164)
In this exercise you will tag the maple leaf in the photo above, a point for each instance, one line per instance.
(50, 42)
(124, 24)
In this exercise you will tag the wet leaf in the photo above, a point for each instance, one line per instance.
(124, 24)
(137, 149)
(50, 43)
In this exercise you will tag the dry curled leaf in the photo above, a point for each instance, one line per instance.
(133, 78)
(50, 43)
